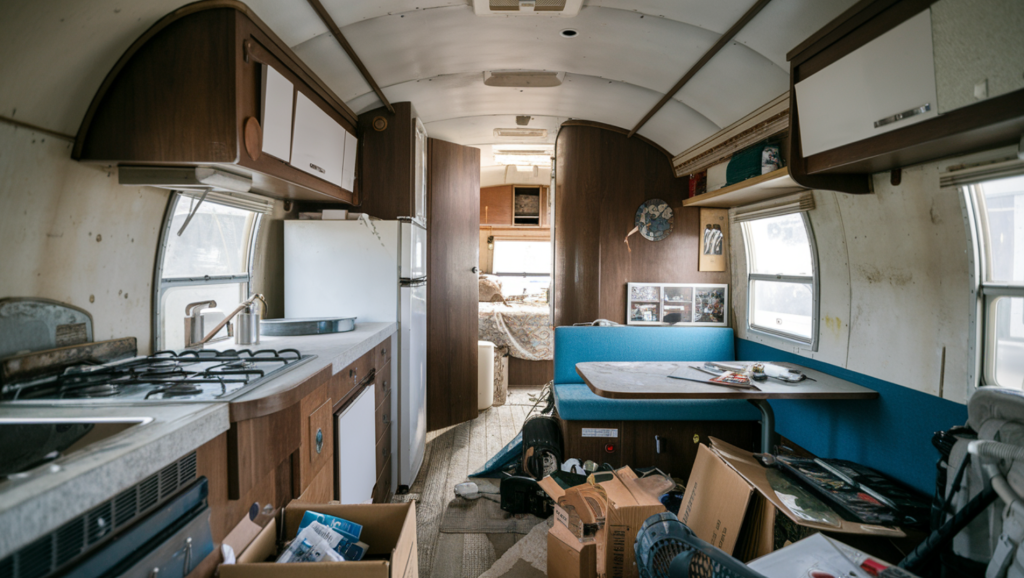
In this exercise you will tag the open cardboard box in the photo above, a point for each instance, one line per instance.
(730, 504)
(388, 529)
(625, 506)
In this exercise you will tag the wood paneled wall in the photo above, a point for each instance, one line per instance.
(602, 178)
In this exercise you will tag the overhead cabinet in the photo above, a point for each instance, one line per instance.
(891, 83)
(884, 85)
(210, 85)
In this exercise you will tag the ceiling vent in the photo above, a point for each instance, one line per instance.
(523, 78)
(521, 132)
(527, 7)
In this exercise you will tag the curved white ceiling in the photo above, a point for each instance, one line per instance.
(433, 53)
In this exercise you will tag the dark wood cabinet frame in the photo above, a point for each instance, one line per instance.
(183, 93)
(991, 123)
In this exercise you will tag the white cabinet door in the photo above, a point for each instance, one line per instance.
(357, 457)
(278, 97)
(319, 142)
(887, 84)
(348, 172)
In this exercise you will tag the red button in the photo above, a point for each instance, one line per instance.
(609, 448)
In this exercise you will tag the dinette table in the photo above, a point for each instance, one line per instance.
(650, 380)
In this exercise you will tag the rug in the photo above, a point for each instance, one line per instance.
(528, 558)
(484, 516)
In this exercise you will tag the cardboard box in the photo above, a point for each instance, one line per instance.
(730, 504)
(388, 529)
(570, 557)
(616, 503)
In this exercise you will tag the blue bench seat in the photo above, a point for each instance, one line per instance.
(575, 401)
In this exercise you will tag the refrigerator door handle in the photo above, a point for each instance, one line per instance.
(413, 282)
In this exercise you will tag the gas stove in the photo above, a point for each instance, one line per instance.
(167, 376)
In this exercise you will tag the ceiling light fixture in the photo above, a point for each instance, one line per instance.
(569, 33)
(523, 78)
(521, 132)
(524, 158)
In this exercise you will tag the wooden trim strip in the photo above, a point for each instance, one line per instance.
(725, 38)
(35, 128)
(333, 27)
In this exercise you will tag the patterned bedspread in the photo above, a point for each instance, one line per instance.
(524, 328)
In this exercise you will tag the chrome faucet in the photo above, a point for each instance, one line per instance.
(194, 326)
(226, 321)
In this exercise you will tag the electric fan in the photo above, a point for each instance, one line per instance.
(666, 548)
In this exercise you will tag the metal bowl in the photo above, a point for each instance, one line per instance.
(307, 326)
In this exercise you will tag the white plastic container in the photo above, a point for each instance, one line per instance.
(485, 374)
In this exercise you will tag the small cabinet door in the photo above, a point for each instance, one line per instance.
(278, 99)
(318, 146)
(496, 205)
(885, 85)
(356, 447)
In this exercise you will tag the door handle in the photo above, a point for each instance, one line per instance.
(476, 270)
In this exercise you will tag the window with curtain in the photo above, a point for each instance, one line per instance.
(781, 271)
(210, 260)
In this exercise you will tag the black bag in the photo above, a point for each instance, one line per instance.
(542, 446)
(521, 495)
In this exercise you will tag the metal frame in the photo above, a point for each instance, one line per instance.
(161, 284)
(984, 295)
(813, 280)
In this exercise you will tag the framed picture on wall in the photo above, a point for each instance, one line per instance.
(681, 304)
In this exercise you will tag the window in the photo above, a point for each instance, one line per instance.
(781, 279)
(210, 260)
(998, 208)
(524, 266)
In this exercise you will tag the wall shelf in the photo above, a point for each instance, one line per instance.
(752, 190)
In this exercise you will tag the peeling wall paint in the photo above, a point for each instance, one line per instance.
(894, 283)
(69, 232)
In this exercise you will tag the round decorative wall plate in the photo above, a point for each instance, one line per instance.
(654, 220)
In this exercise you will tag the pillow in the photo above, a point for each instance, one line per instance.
(490, 291)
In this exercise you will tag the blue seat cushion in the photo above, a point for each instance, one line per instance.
(575, 401)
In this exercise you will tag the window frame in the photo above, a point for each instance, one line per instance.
(161, 285)
(984, 294)
(812, 280)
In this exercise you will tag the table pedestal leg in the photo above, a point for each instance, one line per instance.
(767, 425)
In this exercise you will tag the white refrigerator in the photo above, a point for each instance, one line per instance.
(375, 271)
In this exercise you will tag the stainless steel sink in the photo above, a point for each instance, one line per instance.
(307, 326)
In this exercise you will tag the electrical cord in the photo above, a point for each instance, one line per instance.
(937, 539)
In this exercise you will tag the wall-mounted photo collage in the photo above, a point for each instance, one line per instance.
(677, 304)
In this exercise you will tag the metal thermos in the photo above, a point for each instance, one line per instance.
(247, 326)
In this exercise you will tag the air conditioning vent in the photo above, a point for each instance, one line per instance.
(527, 7)
(521, 132)
(54, 551)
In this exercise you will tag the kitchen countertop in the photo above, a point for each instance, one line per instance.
(43, 501)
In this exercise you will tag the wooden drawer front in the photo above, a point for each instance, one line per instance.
(321, 489)
(382, 355)
(382, 491)
(384, 417)
(383, 449)
(320, 435)
(345, 381)
(382, 384)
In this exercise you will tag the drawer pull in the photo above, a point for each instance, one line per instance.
(384, 417)
(902, 115)
(384, 452)
(386, 384)
(319, 440)
(353, 373)
(383, 351)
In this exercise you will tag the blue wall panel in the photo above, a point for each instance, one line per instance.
(891, 434)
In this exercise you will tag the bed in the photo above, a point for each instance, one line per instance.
(523, 331)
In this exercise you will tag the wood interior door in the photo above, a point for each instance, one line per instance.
(453, 253)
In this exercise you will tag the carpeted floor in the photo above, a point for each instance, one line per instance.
(451, 455)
